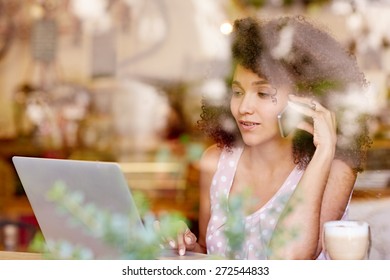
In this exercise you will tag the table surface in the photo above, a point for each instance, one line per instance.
(7, 255)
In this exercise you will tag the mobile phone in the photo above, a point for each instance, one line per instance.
(288, 120)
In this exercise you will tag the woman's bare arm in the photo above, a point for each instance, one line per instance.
(296, 233)
(321, 194)
(208, 166)
(337, 194)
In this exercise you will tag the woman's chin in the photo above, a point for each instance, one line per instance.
(257, 141)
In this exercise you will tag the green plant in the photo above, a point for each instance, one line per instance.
(234, 230)
(113, 228)
(236, 233)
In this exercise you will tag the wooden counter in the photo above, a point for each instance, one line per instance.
(370, 193)
(5, 255)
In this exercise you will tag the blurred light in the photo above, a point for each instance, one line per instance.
(214, 90)
(284, 46)
(89, 9)
(92, 13)
(36, 11)
(342, 8)
(226, 28)
(152, 26)
(355, 22)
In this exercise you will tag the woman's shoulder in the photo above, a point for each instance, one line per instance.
(214, 154)
(210, 158)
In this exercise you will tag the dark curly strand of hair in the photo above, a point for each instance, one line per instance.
(316, 65)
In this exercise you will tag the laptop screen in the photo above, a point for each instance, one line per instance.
(60, 189)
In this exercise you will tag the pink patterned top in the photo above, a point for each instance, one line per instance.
(258, 226)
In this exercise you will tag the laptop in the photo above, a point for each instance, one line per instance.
(94, 184)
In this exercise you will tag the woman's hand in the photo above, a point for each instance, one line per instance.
(184, 241)
(323, 127)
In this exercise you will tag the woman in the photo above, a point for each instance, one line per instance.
(299, 181)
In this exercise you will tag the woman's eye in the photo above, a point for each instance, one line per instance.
(236, 92)
(266, 92)
(263, 94)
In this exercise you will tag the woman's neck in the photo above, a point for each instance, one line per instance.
(271, 155)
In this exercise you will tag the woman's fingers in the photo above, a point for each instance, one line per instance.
(157, 228)
(301, 108)
(181, 246)
(166, 240)
(323, 127)
(306, 113)
(308, 104)
(190, 238)
(304, 125)
(186, 240)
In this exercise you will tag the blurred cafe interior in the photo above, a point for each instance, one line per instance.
(123, 80)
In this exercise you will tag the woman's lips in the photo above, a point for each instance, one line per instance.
(247, 125)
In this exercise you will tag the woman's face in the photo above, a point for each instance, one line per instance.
(255, 105)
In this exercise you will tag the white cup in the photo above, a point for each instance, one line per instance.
(346, 240)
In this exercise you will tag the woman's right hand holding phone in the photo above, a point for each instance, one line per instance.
(324, 121)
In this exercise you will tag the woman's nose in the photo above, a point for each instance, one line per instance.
(246, 105)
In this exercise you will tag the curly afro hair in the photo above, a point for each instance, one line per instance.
(292, 51)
